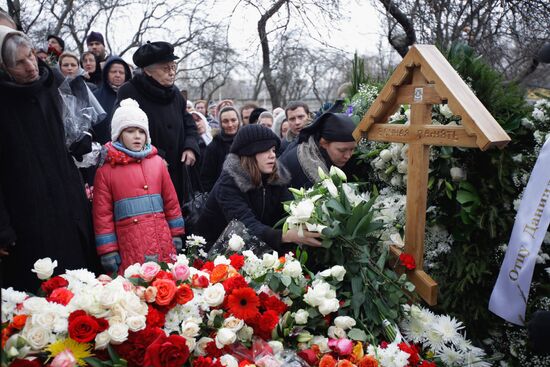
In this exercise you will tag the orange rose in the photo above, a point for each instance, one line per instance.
(219, 273)
(368, 361)
(327, 361)
(184, 294)
(166, 290)
(344, 363)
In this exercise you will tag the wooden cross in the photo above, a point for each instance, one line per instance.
(422, 79)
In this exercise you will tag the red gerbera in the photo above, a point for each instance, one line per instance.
(243, 303)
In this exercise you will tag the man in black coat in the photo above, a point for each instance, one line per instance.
(43, 207)
(172, 128)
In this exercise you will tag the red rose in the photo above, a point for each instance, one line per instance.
(199, 281)
(206, 362)
(166, 290)
(309, 356)
(167, 351)
(155, 318)
(407, 261)
(82, 327)
(61, 296)
(54, 283)
(133, 349)
(184, 294)
(198, 263)
(164, 275)
(237, 261)
(26, 363)
(208, 266)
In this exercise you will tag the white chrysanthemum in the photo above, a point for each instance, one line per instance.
(448, 327)
(80, 278)
(222, 260)
(475, 357)
(391, 356)
(10, 300)
(450, 357)
(195, 241)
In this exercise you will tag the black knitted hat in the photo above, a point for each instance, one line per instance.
(255, 115)
(253, 139)
(95, 37)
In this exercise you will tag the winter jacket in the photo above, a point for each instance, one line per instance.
(234, 196)
(214, 156)
(106, 96)
(43, 206)
(305, 158)
(135, 208)
(172, 128)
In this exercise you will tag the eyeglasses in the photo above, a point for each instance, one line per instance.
(169, 68)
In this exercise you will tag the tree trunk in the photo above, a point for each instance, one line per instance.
(266, 61)
(401, 46)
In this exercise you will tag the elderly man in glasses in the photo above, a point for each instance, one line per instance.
(172, 128)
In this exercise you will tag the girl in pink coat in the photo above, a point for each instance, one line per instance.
(136, 213)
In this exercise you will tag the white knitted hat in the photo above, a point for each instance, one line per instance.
(129, 115)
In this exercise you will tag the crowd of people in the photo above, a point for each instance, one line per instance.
(152, 136)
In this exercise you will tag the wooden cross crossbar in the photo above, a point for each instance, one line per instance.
(425, 78)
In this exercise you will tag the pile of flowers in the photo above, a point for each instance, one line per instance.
(235, 311)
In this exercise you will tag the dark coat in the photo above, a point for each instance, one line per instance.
(42, 203)
(235, 197)
(171, 127)
(298, 177)
(214, 156)
(106, 96)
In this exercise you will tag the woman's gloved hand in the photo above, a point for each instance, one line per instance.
(110, 262)
(178, 244)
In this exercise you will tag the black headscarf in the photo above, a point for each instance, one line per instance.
(330, 126)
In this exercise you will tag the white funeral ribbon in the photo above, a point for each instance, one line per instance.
(509, 296)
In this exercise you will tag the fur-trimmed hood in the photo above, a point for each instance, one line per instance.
(232, 166)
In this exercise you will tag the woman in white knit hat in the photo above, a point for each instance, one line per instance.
(136, 213)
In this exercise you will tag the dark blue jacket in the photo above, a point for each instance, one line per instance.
(235, 197)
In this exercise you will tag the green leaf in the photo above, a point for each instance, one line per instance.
(94, 362)
(113, 354)
(357, 334)
(335, 205)
(286, 280)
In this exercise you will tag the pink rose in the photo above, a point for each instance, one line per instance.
(181, 272)
(104, 279)
(64, 359)
(150, 294)
(341, 346)
(149, 270)
(128, 287)
(140, 292)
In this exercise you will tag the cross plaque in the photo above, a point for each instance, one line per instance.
(422, 79)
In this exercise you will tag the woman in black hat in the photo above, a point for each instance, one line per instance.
(251, 189)
(326, 142)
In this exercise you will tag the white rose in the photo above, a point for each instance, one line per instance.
(344, 322)
(136, 323)
(225, 337)
(229, 361)
(402, 167)
(246, 333)
(132, 270)
(102, 340)
(293, 269)
(379, 163)
(37, 337)
(190, 342)
(301, 317)
(457, 174)
(385, 155)
(338, 272)
(34, 305)
(44, 319)
(396, 180)
(44, 268)
(329, 305)
(276, 346)
(335, 332)
(233, 323)
(214, 295)
(321, 342)
(190, 328)
(270, 260)
(200, 346)
(236, 243)
(118, 333)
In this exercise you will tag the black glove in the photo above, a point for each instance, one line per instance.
(82, 145)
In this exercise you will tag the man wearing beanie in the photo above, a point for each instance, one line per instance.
(326, 142)
(43, 207)
(96, 45)
(251, 189)
(172, 128)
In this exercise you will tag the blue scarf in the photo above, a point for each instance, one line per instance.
(137, 155)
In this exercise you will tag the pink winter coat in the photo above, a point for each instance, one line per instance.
(135, 208)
